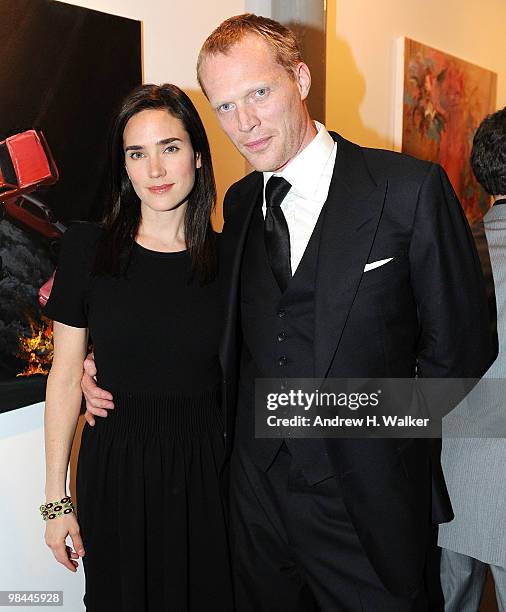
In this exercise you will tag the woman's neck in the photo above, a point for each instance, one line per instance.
(162, 230)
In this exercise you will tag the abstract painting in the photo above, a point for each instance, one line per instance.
(444, 101)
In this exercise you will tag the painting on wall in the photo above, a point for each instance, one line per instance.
(64, 71)
(444, 101)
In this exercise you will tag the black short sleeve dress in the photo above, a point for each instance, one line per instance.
(148, 491)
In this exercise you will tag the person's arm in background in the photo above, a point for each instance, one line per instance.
(63, 402)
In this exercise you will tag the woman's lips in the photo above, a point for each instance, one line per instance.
(161, 188)
(258, 145)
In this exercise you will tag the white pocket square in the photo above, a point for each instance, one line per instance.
(376, 264)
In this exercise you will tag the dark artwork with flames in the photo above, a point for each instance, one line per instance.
(64, 71)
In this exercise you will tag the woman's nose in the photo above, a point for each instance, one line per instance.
(156, 168)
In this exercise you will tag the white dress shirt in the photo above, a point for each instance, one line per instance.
(309, 174)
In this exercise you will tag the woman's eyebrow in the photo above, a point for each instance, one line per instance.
(168, 141)
(160, 142)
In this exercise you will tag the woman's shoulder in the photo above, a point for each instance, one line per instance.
(80, 240)
(82, 234)
(83, 231)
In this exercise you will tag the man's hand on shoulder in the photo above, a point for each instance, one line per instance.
(98, 401)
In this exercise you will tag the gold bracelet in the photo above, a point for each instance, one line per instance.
(57, 508)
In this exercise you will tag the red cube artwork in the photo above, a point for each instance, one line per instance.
(26, 163)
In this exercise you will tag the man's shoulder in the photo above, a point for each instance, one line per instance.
(384, 163)
(396, 164)
(247, 182)
(238, 191)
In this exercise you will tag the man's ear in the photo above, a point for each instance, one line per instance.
(198, 161)
(303, 79)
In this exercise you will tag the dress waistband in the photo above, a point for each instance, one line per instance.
(168, 414)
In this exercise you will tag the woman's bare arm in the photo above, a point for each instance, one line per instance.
(63, 402)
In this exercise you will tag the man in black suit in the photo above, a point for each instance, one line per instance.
(338, 262)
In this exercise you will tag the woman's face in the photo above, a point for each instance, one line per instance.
(159, 159)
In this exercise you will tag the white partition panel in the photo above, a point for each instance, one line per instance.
(26, 563)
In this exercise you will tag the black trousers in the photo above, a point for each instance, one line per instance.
(294, 548)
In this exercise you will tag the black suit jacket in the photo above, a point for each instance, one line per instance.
(424, 313)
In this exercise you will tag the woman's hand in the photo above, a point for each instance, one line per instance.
(98, 401)
(57, 530)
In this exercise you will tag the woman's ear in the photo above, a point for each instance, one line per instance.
(198, 161)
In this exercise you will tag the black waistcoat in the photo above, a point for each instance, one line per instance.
(278, 342)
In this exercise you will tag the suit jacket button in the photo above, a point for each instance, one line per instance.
(281, 336)
(281, 313)
(282, 361)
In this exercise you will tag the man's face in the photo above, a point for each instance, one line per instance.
(258, 105)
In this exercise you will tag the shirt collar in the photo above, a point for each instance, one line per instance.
(305, 170)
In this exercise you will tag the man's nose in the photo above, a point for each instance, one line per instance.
(246, 119)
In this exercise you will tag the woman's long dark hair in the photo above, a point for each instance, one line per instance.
(122, 214)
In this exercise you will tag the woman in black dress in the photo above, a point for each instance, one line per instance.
(151, 526)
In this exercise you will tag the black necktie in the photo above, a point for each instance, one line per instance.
(276, 234)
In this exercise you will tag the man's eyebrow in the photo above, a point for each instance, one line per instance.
(160, 142)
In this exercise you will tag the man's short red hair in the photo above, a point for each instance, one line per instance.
(280, 39)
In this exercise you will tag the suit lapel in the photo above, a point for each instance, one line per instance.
(352, 213)
(232, 248)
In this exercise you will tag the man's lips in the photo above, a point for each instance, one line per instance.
(258, 145)
(161, 188)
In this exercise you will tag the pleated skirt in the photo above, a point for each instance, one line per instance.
(150, 507)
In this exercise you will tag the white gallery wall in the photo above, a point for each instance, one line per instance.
(26, 564)
(361, 55)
